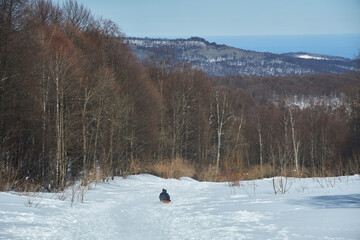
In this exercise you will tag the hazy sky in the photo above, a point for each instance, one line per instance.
(182, 18)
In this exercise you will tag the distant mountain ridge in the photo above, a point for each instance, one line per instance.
(223, 60)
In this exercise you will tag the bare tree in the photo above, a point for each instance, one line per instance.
(77, 14)
(59, 66)
(221, 115)
(45, 12)
(260, 144)
(160, 67)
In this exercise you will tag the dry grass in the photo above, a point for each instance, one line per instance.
(231, 170)
(258, 172)
(29, 186)
(94, 176)
(209, 174)
(175, 168)
(136, 168)
(21, 185)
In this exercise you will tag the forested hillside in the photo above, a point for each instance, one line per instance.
(75, 102)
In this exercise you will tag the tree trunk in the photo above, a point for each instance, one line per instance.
(111, 150)
(260, 146)
(222, 118)
(84, 137)
(295, 144)
(60, 145)
(97, 134)
(219, 133)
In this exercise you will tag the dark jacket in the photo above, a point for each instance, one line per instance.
(164, 196)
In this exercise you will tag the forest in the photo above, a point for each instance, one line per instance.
(75, 103)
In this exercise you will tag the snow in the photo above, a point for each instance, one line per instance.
(306, 56)
(312, 208)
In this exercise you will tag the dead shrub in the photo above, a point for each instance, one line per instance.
(62, 196)
(33, 199)
(281, 185)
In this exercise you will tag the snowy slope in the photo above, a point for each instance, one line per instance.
(129, 209)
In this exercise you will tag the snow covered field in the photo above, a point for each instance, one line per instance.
(314, 208)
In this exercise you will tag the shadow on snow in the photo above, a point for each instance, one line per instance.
(332, 201)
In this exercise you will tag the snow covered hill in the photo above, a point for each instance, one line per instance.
(314, 208)
(222, 60)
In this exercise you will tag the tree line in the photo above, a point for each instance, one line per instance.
(75, 102)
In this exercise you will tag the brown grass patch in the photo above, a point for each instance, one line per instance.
(174, 168)
(209, 174)
(258, 172)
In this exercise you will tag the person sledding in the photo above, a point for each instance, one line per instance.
(164, 197)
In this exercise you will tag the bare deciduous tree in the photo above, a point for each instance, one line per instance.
(221, 115)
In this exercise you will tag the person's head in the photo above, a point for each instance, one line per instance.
(164, 190)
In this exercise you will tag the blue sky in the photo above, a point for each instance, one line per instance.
(182, 18)
(329, 27)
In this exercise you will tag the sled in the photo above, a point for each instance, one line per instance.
(165, 201)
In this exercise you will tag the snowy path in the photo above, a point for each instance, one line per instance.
(129, 209)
